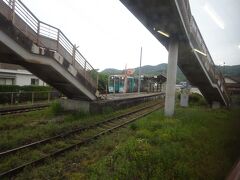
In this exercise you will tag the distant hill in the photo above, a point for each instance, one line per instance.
(233, 71)
(148, 71)
(112, 71)
(153, 70)
(162, 69)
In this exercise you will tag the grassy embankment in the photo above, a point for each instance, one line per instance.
(16, 130)
(197, 143)
(25, 128)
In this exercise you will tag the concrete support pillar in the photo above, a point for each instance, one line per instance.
(171, 78)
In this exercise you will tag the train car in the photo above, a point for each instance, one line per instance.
(119, 84)
(116, 84)
(112, 84)
(130, 84)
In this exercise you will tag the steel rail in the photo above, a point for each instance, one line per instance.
(39, 161)
(21, 110)
(71, 132)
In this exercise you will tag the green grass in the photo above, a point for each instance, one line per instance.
(198, 143)
(32, 126)
(74, 164)
(29, 127)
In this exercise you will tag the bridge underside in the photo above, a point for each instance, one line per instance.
(47, 72)
(163, 15)
(45, 68)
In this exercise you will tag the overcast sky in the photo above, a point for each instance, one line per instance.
(109, 36)
(219, 24)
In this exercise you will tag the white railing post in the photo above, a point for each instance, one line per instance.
(85, 69)
(13, 3)
(58, 37)
(74, 55)
(10, 3)
(38, 32)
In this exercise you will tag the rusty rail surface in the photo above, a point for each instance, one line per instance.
(47, 36)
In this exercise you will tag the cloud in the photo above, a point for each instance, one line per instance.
(210, 11)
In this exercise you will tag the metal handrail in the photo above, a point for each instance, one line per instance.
(38, 29)
(216, 72)
(198, 43)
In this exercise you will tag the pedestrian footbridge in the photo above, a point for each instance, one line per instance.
(171, 20)
(45, 51)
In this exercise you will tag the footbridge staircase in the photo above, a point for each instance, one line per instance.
(45, 51)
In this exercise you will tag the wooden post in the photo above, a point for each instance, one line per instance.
(48, 96)
(32, 97)
(12, 98)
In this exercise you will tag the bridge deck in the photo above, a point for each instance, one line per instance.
(46, 52)
(174, 18)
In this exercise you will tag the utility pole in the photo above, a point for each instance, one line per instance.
(139, 76)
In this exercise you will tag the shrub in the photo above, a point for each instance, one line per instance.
(133, 126)
(102, 82)
(23, 93)
(107, 110)
(196, 99)
(56, 108)
(9, 88)
(16, 88)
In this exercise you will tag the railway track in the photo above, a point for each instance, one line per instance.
(75, 138)
(19, 110)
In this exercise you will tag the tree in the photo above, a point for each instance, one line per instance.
(102, 82)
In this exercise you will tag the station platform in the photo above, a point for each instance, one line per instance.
(123, 100)
(119, 96)
(110, 102)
